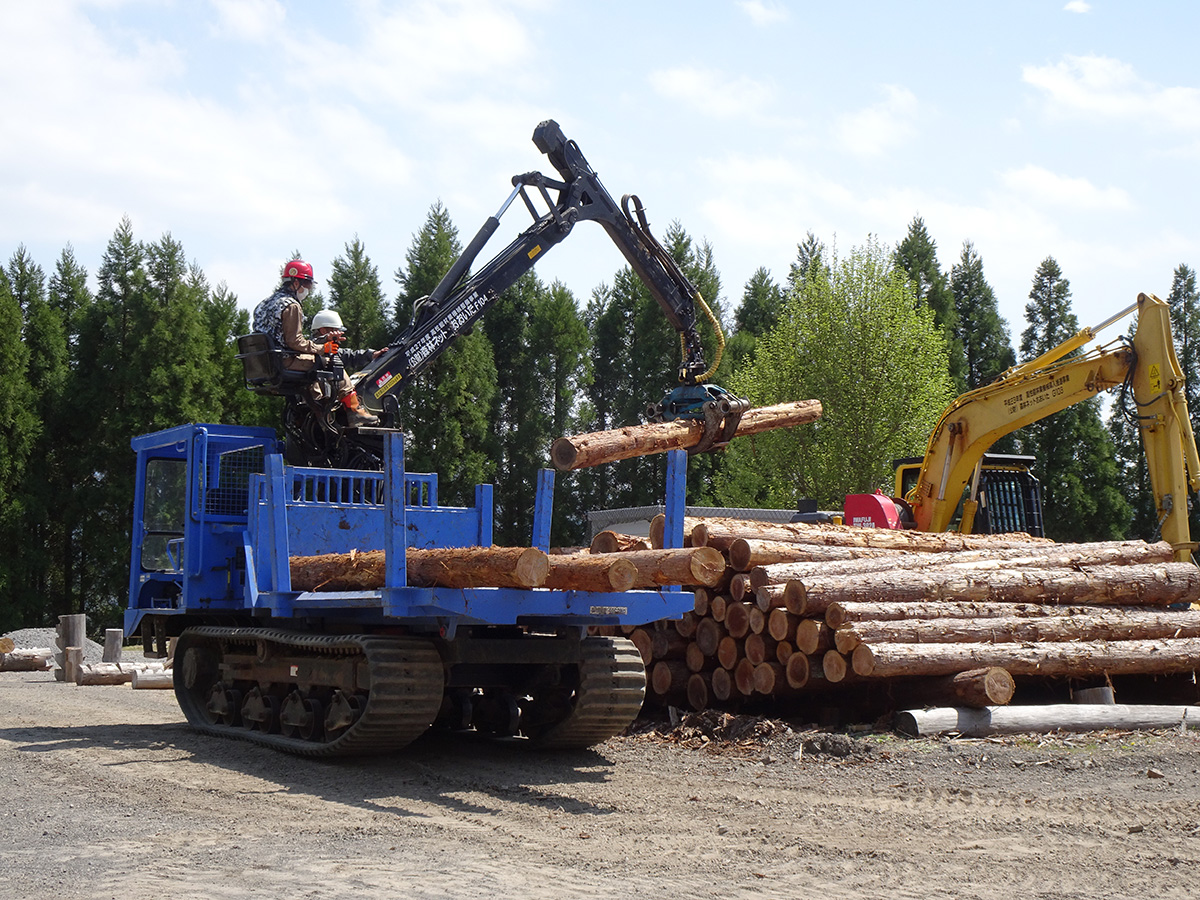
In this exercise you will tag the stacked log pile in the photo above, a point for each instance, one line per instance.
(803, 610)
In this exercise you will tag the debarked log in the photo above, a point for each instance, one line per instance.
(1059, 659)
(1040, 719)
(721, 532)
(27, 660)
(689, 565)
(456, 567)
(584, 450)
(990, 686)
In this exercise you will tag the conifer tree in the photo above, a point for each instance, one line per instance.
(20, 427)
(357, 294)
(1075, 455)
(758, 313)
(917, 255)
(445, 412)
(982, 331)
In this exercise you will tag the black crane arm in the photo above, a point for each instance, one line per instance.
(460, 299)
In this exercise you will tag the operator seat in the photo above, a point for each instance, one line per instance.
(262, 366)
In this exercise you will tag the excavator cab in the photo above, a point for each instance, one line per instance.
(1010, 497)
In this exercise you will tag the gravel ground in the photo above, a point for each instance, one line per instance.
(31, 638)
(110, 795)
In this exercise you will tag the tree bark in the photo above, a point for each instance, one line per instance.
(689, 565)
(1072, 659)
(584, 450)
(1095, 624)
(614, 542)
(32, 660)
(461, 567)
(839, 614)
(1030, 556)
(1158, 584)
(721, 532)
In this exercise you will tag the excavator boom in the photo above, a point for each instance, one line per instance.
(1145, 367)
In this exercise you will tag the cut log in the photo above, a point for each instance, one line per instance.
(668, 677)
(990, 686)
(7, 645)
(585, 450)
(689, 565)
(614, 542)
(686, 624)
(717, 606)
(759, 648)
(71, 632)
(27, 660)
(722, 685)
(1091, 624)
(700, 599)
(114, 644)
(776, 596)
(729, 652)
(721, 532)
(784, 651)
(1158, 584)
(668, 644)
(708, 635)
(103, 673)
(797, 670)
(781, 624)
(770, 678)
(758, 619)
(1074, 659)
(745, 553)
(643, 640)
(743, 677)
(835, 667)
(778, 571)
(1040, 719)
(696, 659)
(737, 619)
(699, 691)
(152, 681)
(739, 584)
(461, 567)
(839, 614)
(813, 636)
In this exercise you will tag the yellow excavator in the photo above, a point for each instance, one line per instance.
(1145, 366)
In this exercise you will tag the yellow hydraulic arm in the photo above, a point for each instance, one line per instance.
(1052, 382)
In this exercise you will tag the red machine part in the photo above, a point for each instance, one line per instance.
(872, 511)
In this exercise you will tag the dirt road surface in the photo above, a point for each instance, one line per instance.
(108, 794)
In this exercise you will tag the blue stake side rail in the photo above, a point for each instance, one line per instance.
(218, 515)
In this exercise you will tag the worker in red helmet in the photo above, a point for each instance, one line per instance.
(282, 317)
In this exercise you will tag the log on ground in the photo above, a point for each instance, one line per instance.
(1040, 719)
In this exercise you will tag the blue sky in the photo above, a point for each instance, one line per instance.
(249, 127)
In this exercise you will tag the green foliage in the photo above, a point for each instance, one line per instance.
(854, 338)
(1080, 477)
(982, 331)
(445, 412)
(357, 295)
(917, 255)
(758, 314)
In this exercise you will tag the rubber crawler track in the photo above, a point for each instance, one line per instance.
(405, 695)
(612, 686)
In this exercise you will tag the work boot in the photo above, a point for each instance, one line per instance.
(355, 414)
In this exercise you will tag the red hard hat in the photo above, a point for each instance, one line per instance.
(298, 268)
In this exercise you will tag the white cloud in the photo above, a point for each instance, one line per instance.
(1109, 88)
(879, 128)
(1043, 187)
(1078, 6)
(764, 12)
(712, 92)
(249, 20)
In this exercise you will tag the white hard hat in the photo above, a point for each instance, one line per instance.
(327, 318)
